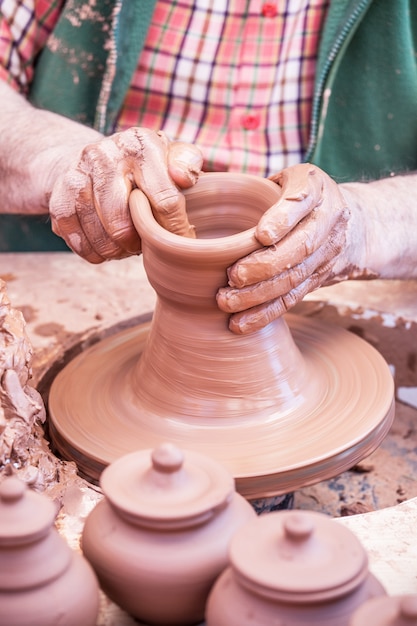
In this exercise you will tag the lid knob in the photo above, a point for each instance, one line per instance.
(298, 528)
(167, 458)
(12, 490)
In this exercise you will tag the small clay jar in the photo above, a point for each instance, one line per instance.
(295, 568)
(160, 537)
(42, 581)
(387, 611)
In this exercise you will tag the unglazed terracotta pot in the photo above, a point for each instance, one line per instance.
(387, 611)
(296, 568)
(192, 365)
(42, 581)
(160, 538)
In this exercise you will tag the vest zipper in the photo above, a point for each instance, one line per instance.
(318, 111)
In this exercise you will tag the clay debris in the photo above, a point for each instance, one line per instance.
(21, 406)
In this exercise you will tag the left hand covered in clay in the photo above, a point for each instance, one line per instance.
(89, 203)
(304, 237)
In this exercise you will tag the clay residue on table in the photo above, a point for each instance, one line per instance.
(23, 448)
(388, 476)
(21, 405)
(7, 277)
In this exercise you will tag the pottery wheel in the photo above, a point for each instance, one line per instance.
(96, 416)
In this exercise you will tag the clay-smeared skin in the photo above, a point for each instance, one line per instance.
(89, 202)
(304, 234)
(20, 404)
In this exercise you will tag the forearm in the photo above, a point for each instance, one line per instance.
(382, 234)
(35, 145)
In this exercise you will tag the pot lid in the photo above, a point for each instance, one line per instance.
(167, 487)
(387, 611)
(298, 556)
(24, 514)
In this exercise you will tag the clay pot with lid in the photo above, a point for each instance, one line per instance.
(42, 581)
(297, 568)
(160, 537)
(387, 611)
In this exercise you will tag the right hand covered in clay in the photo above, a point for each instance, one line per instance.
(307, 243)
(89, 201)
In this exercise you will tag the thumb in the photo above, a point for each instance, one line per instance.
(151, 175)
(184, 163)
(301, 192)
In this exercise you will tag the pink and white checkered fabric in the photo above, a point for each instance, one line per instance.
(25, 26)
(235, 77)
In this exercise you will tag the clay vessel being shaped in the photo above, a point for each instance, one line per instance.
(193, 366)
(387, 611)
(160, 538)
(42, 581)
(293, 567)
(278, 409)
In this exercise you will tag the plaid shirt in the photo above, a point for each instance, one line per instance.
(236, 78)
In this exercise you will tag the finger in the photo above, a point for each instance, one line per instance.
(95, 232)
(184, 164)
(139, 205)
(234, 300)
(254, 319)
(64, 216)
(107, 216)
(150, 170)
(308, 236)
(301, 192)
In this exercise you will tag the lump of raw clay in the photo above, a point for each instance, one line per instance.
(24, 450)
(20, 404)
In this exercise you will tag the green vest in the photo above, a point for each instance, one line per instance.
(364, 120)
(364, 115)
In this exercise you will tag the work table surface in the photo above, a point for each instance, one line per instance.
(66, 301)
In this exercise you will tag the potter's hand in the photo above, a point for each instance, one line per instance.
(304, 235)
(89, 201)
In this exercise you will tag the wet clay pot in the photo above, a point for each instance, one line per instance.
(387, 611)
(193, 366)
(297, 568)
(160, 538)
(42, 581)
(254, 402)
